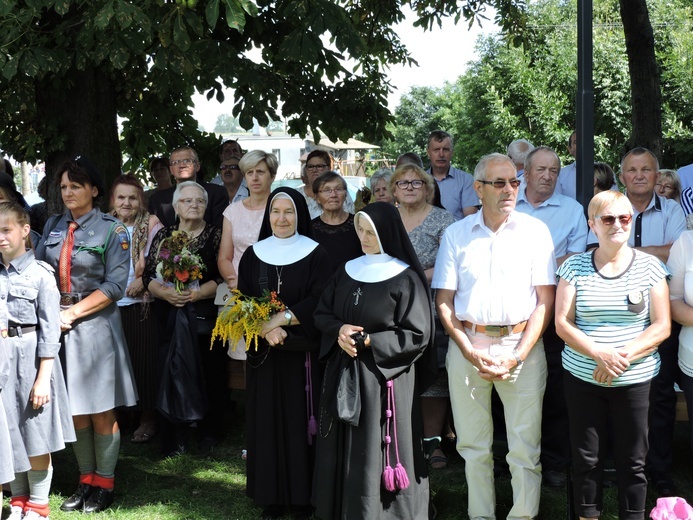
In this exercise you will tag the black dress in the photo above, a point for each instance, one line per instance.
(350, 459)
(341, 241)
(280, 459)
(201, 375)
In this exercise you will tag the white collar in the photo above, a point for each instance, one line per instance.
(374, 268)
(284, 251)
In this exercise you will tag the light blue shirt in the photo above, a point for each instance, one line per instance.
(661, 223)
(241, 193)
(457, 191)
(565, 219)
(567, 181)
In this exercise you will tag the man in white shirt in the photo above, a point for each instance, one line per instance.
(495, 281)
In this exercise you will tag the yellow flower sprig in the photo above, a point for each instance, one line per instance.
(244, 316)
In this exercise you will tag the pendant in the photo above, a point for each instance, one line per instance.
(358, 294)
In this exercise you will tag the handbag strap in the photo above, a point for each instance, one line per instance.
(263, 280)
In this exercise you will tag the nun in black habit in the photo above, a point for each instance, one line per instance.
(282, 375)
(377, 329)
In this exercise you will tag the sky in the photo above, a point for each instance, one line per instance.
(442, 55)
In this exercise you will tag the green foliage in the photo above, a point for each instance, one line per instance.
(528, 91)
(227, 124)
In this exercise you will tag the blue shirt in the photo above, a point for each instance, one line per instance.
(457, 191)
(565, 219)
(567, 181)
(686, 175)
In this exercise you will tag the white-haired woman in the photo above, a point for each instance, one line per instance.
(186, 395)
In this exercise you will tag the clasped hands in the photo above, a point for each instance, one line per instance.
(492, 368)
(611, 363)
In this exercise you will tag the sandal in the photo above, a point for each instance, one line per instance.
(437, 461)
(144, 433)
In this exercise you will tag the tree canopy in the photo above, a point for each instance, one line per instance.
(69, 68)
(528, 91)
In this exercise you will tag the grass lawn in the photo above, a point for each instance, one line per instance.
(191, 487)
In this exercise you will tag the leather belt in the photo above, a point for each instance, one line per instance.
(18, 330)
(67, 299)
(496, 331)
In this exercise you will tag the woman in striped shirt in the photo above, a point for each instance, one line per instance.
(612, 311)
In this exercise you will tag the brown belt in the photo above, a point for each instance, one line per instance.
(496, 331)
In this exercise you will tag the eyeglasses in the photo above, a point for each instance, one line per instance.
(327, 191)
(182, 161)
(315, 166)
(609, 220)
(416, 184)
(499, 184)
(190, 202)
(229, 167)
(659, 185)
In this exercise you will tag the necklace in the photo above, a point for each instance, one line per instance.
(279, 278)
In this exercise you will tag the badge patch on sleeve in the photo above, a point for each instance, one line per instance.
(123, 237)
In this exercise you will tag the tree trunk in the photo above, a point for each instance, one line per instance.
(26, 181)
(85, 110)
(646, 95)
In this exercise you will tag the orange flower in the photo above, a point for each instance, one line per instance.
(183, 276)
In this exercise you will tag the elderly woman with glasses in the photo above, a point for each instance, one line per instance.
(612, 310)
(186, 335)
(317, 163)
(425, 224)
(334, 228)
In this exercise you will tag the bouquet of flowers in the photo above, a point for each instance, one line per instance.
(244, 316)
(178, 265)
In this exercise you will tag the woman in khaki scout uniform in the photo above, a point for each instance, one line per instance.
(90, 253)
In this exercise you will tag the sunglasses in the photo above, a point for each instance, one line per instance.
(609, 220)
(500, 183)
(229, 167)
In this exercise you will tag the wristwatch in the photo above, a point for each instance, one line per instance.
(518, 359)
(288, 316)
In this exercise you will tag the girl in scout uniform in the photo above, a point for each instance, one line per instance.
(89, 251)
(34, 394)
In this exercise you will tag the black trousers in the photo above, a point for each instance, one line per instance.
(663, 409)
(554, 422)
(590, 410)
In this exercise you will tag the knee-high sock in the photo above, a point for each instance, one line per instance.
(107, 448)
(20, 485)
(40, 485)
(84, 450)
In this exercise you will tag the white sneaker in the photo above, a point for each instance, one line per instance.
(16, 513)
(33, 515)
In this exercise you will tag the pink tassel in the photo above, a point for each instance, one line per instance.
(389, 478)
(401, 478)
(312, 429)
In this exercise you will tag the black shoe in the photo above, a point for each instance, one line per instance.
(78, 498)
(554, 479)
(99, 500)
(663, 484)
(302, 512)
(181, 449)
(272, 512)
(207, 445)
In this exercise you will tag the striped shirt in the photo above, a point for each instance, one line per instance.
(612, 311)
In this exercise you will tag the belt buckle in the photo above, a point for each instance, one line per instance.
(66, 300)
(494, 331)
